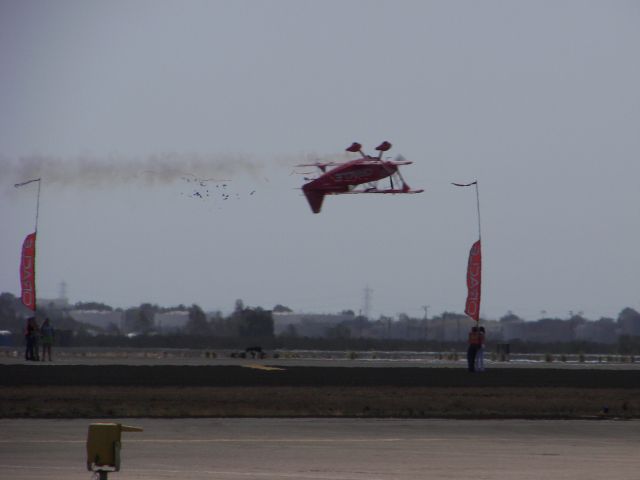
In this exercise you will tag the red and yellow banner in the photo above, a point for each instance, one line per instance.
(28, 271)
(474, 282)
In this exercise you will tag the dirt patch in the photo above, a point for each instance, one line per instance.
(237, 376)
(110, 391)
(418, 402)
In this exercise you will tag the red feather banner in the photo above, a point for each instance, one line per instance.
(28, 271)
(474, 282)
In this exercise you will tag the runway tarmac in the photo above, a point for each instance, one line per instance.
(331, 449)
(97, 356)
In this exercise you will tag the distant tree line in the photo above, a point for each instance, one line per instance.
(254, 325)
(243, 322)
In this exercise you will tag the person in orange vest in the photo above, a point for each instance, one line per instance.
(472, 349)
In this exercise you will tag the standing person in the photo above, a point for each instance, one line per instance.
(30, 333)
(472, 349)
(36, 340)
(480, 353)
(47, 333)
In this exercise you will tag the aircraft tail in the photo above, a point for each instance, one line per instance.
(315, 198)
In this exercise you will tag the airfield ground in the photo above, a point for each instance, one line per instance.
(330, 449)
(103, 387)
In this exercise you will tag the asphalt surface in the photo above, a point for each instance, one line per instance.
(260, 374)
(336, 449)
(339, 359)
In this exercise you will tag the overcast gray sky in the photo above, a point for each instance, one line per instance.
(112, 103)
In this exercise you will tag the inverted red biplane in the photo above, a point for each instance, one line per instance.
(346, 177)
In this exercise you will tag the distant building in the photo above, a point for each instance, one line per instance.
(450, 327)
(306, 324)
(629, 322)
(61, 303)
(547, 330)
(103, 319)
(604, 330)
(171, 322)
(514, 330)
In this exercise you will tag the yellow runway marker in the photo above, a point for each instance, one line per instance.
(262, 367)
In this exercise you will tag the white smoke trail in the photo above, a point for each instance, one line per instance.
(92, 171)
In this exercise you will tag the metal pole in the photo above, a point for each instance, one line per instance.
(479, 228)
(478, 206)
(37, 208)
(475, 183)
(477, 200)
(17, 185)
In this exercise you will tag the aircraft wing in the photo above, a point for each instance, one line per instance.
(321, 164)
(376, 190)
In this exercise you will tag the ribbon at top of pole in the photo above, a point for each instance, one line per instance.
(22, 184)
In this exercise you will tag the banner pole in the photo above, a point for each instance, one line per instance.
(479, 235)
(477, 204)
(474, 257)
(39, 180)
(18, 185)
(38, 207)
(35, 270)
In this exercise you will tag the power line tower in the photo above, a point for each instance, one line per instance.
(426, 321)
(366, 303)
(62, 291)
